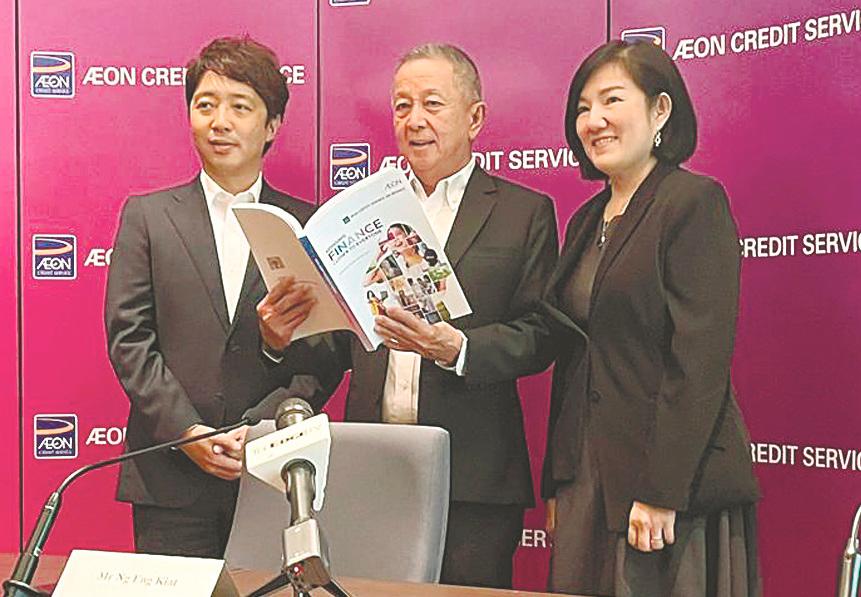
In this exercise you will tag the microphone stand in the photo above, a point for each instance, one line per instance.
(306, 560)
(850, 570)
(18, 584)
(312, 569)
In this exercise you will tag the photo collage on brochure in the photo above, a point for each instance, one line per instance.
(409, 274)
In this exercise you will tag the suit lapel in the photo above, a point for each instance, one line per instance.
(637, 208)
(190, 218)
(252, 283)
(368, 382)
(376, 380)
(479, 197)
(581, 233)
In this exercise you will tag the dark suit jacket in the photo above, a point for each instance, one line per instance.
(654, 376)
(503, 246)
(169, 340)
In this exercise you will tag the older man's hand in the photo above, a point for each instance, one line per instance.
(282, 310)
(401, 330)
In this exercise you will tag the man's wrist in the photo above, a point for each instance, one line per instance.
(189, 431)
(276, 356)
(457, 364)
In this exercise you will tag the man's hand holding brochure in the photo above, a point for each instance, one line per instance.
(368, 249)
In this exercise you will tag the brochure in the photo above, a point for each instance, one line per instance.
(368, 248)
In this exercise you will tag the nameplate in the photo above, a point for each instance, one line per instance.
(136, 574)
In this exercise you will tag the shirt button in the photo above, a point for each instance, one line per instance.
(594, 396)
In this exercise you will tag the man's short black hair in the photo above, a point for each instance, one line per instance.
(247, 61)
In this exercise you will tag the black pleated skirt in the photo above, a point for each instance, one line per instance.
(713, 556)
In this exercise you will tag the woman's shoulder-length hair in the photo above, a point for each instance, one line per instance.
(654, 72)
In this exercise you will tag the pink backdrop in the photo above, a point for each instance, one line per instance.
(776, 127)
(9, 422)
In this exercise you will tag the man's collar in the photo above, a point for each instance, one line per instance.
(212, 189)
(453, 186)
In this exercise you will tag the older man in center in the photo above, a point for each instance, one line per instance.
(501, 240)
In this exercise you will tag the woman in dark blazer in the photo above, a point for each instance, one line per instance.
(648, 473)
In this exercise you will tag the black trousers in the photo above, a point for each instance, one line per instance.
(199, 530)
(480, 543)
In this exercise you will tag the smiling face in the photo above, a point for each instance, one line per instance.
(397, 238)
(616, 122)
(435, 123)
(230, 128)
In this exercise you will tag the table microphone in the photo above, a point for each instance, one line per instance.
(298, 474)
(18, 585)
(306, 559)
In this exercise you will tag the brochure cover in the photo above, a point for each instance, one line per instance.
(369, 248)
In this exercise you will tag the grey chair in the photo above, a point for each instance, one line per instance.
(385, 511)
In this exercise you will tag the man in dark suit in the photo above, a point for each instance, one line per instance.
(180, 307)
(501, 240)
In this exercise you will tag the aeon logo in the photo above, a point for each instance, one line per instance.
(55, 436)
(54, 257)
(52, 74)
(655, 35)
(348, 163)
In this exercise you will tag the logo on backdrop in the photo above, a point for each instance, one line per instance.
(768, 37)
(127, 75)
(349, 163)
(99, 257)
(54, 257)
(55, 436)
(655, 35)
(106, 436)
(348, 2)
(52, 74)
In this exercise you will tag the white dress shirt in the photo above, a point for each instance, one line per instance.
(401, 390)
(230, 243)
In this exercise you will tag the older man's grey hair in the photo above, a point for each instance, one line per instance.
(465, 71)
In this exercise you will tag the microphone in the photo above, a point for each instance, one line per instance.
(850, 572)
(268, 407)
(298, 474)
(18, 585)
(305, 564)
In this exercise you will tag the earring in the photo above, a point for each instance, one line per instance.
(658, 139)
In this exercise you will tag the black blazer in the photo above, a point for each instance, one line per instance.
(169, 340)
(653, 377)
(503, 246)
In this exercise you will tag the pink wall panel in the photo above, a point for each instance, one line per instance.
(8, 283)
(81, 157)
(526, 55)
(778, 124)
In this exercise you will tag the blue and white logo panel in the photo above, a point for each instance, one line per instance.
(654, 35)
(55, 436)
(54, 257)
(52, 74)
(348, 164)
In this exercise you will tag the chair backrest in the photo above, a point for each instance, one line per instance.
(385, 511)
